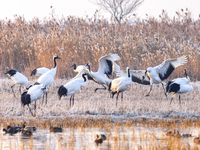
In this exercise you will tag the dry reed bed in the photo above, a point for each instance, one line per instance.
(26, 45)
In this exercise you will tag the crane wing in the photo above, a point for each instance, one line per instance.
(167, 67)
(139, 80)
(79, 75)
(123, 73)
(136, 76)
(116, 69)
(106, 63)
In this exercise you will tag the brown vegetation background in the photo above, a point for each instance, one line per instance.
(26, 45)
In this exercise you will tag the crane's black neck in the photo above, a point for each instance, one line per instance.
(74, 66)
(88, 66)
(128, 72)
(186, 74)
(84, 78)
(55, 63)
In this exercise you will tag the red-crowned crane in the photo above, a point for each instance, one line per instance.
(163, 71)
(179, 86)
(34, 93)
(120, 85)
(18, 78)
(105, 69)
(72, 87)
(48, 77)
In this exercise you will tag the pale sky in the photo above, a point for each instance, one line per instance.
(81, 8)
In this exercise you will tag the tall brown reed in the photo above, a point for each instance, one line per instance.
(26, 45)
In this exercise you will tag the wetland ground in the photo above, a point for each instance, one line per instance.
(138, 122)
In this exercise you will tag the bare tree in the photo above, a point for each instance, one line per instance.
(118, 8)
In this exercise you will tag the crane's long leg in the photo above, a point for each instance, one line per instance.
(73, 100)
(180, 99)
(35, 108)
(23, 108)
(13, 90)
(30, 110)
(20, 89)
(149, 91)
(46, 97)
(43, 100)
(164, 89)
(70, 100)
(113, 93)
(110, 94)
(172, 98)
(122, 96)
(117, 98)
(104, 88)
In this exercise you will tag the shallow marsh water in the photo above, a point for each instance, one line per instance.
(118, 137)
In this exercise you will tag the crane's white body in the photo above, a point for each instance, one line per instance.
(36, 92)
(185, 88)
(179, 86)
(39, 71)
(47, 78)
(72, 87)
(19, 78)
(120, 84)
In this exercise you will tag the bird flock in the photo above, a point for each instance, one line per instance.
(27, 131)
(109, 76)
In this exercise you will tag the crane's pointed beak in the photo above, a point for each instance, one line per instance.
(44, 88)
(144, 76)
